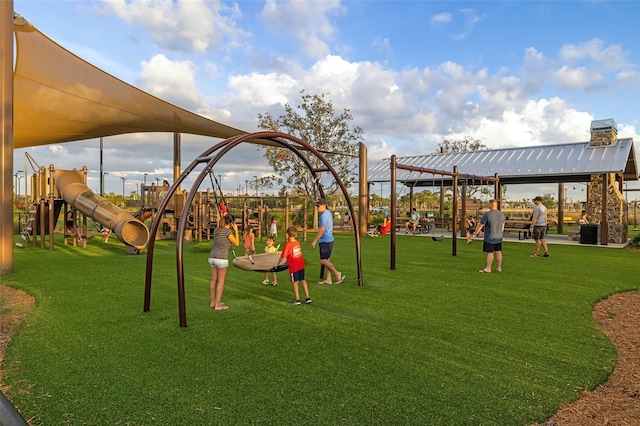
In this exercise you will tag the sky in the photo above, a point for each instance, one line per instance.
(509, 73)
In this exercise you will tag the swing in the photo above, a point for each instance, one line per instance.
(441, 237)
(263, 262)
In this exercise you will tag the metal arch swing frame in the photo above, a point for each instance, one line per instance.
(207, 157)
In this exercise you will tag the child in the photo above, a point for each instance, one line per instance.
(471, 228)
(293, 254)
(270, 248)
(249, 239)
(274, 227)
(106, 232)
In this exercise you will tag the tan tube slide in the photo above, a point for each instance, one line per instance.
(133, 233)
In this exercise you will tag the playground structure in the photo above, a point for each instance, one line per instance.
(53, 191)
(209, 158)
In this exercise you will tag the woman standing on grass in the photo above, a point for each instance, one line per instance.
(225, 235)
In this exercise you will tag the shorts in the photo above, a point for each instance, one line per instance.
(325, 250)
(214, 262)
(538, 232)
(490, 247)
(297, 276)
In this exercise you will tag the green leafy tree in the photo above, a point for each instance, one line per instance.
(465, 144)
(315, 121)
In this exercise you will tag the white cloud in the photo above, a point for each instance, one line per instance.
(196, 25)
(263, 90)
(607, 58)
(441, 18)
(578, 78)
(307, 22)
(172, 81)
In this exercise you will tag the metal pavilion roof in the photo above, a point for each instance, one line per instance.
(572, 162)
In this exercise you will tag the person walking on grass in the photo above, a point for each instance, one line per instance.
(324, 239)
(295, 260)
(225, 235)
(539, 227)
(493, 224)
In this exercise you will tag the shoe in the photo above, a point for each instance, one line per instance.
(265, 282)
(274, 284)
(297, 302)
(307, 300)
(342, 278)
(546, 254)
(535, 255)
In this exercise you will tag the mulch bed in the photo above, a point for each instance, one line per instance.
(617, 401)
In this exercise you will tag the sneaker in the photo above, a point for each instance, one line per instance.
(546, 254)
(274, 284)
(307, 300)
(265, 282)
(535, 255)
(297, 302)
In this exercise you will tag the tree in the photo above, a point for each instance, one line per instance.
(465, 144)
(313, 120)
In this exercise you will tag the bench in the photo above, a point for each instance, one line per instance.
(440, 222)
(424, 225)
(522, 227)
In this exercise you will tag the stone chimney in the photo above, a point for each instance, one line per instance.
(603, 132)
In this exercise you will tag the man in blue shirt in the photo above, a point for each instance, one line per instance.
(493, 224)
(324, 238)
(414, 218)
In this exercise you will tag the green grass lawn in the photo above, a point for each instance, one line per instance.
(432, 342)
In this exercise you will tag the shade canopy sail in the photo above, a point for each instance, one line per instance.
(59, 97)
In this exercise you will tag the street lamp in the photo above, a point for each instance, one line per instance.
(102, 183)
(255, 179)
(18, 177)
(246, 187)
(157, 181)
(123, 199)
(145, 178)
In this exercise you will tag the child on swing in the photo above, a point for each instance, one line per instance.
(270, 248)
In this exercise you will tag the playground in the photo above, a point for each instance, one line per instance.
(449, 347)
(432, 342)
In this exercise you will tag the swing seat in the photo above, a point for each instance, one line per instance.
(263, 262)
(440, 238)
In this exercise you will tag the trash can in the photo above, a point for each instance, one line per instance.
(588, 234)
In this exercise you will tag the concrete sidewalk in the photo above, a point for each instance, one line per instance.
(552, 239)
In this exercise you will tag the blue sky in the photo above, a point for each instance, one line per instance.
(411, 72)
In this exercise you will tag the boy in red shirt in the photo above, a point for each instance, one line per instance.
(293, 254)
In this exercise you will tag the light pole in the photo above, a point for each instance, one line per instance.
(157, 181)
(145, 178)
(246, 187)
(123, 199)
(102, 183)
(18, 177)
(255, 179)
(220, 183)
